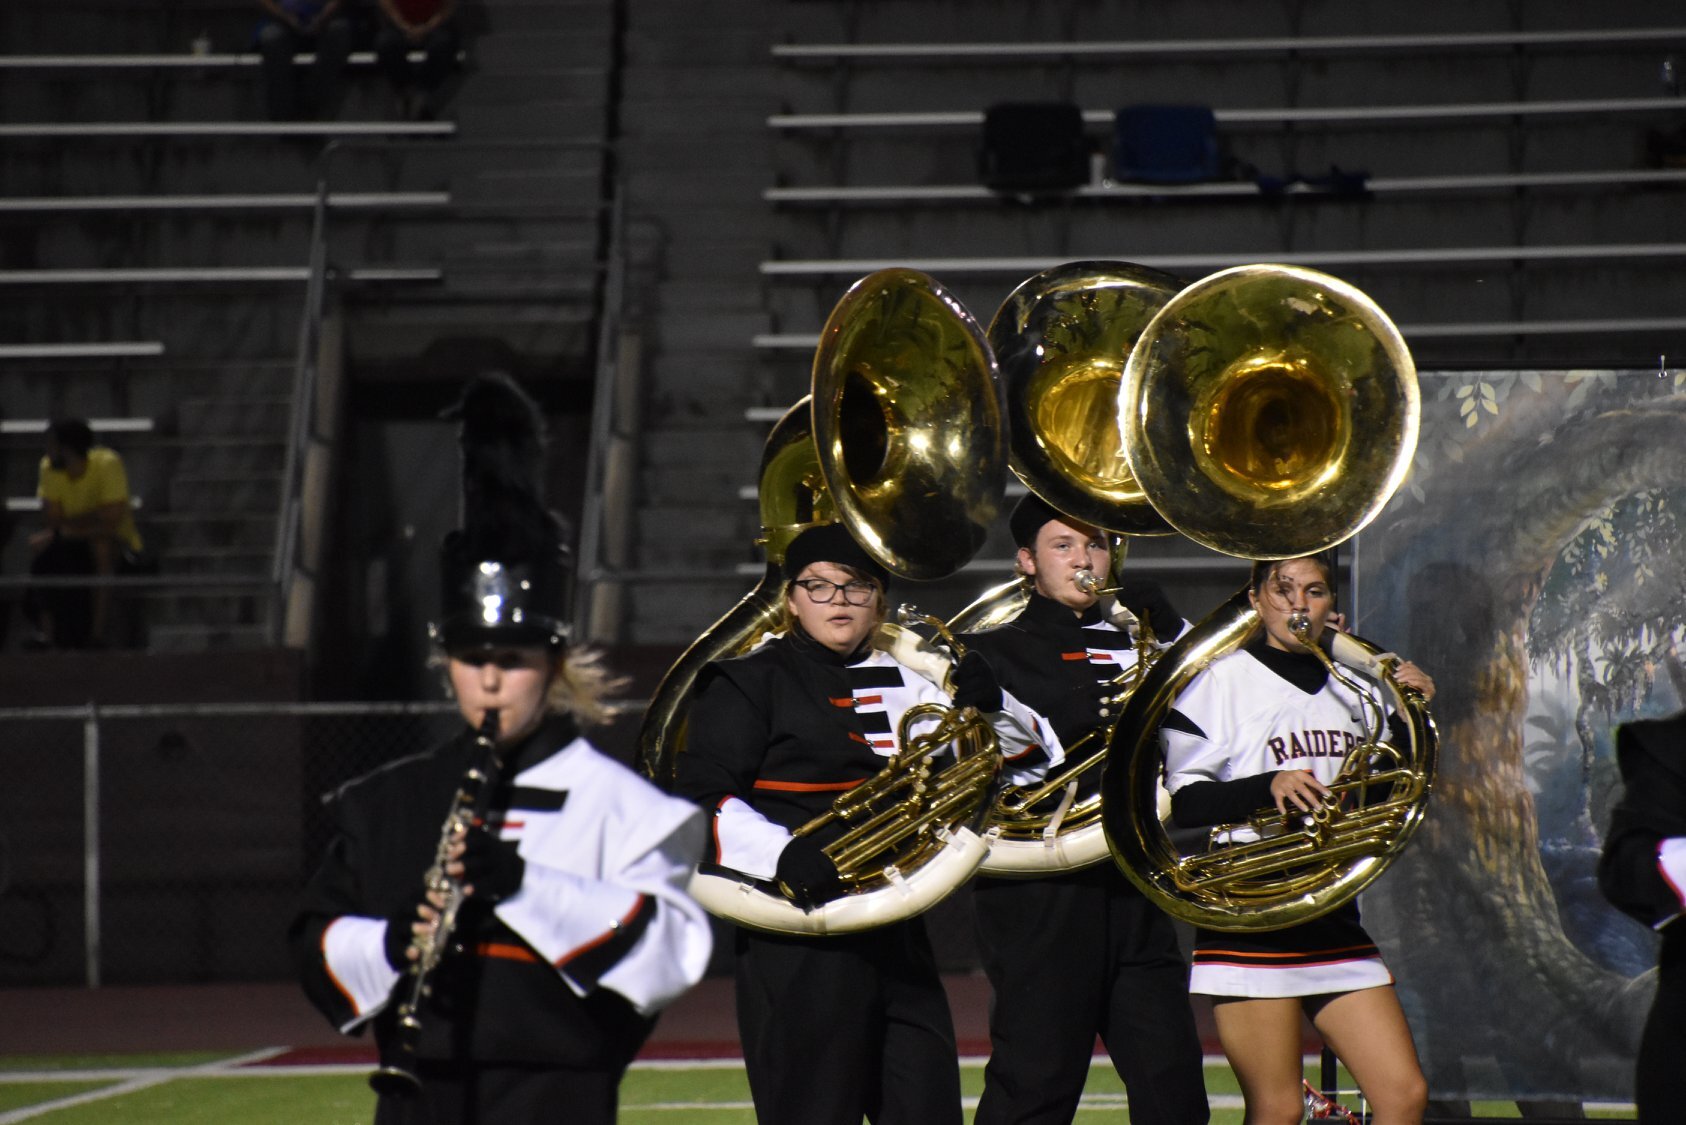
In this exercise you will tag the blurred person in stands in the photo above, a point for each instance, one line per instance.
(290, 28)
(84, 493)
(565, 871)
(427, 26)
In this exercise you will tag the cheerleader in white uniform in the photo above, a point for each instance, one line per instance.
(1267, 725)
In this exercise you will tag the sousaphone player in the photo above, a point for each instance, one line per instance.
(1072, 955)
(806, 699)
(833, 1026)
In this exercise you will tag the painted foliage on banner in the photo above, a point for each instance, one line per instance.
(1534, 564)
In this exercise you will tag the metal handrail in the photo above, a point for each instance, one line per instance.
(284, 570)
(589, 572)
(304, 397)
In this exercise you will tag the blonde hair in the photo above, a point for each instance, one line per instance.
(580, 685)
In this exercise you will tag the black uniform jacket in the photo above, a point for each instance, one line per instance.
(1043, 657)
(495, 1000)
(1652, 757)
(778, 729)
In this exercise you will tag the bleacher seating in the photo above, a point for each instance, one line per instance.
(58, 131)
(935, 194)
(164, 239)
(1540, 166)
(1480, 172)
(108, 349)
(1273, 116)
(100, 426)
(1452, 42)
(227, 201)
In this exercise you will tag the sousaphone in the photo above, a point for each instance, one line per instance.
(1062, 339)
(1269, 412)
(903, 441)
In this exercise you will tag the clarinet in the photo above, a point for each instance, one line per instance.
(398, 1074)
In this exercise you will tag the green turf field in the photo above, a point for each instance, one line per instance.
(203, 1089)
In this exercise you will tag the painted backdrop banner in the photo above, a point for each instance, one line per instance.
(1533, 564)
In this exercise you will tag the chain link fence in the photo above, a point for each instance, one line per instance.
(153, 844)
(168, 843)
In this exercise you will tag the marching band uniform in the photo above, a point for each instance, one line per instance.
(574, 926)
(1249, 714)
(565, 975)
(1643, 872)
(1077, 954)
(839, 1026)
(1268, 727)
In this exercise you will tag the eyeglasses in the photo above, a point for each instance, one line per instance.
(822, 592)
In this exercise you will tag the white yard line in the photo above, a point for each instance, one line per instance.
(139, 1078)
(130, 1079)
(242, 1067)
(1087, 1101)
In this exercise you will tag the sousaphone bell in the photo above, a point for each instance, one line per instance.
(903, 441)
(1062, 339)
(1269, 412)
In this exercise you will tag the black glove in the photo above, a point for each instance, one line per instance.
(491, 866)
(398, 932)
(975, 684)
(807, 873)
(1144, 598)
(1080, 711)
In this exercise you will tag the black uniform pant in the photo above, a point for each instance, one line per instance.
(439, 49)
(1660, 1093)
(837, 1028)
(283, 93)
(504, 1095)
(1074, 956)
(69, 608)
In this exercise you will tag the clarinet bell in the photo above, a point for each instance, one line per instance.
(395, 1081)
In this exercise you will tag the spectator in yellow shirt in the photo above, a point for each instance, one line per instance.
(84, 494)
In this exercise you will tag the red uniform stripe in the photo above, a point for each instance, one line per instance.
(807, 786)
(1261, 955)
(504, 951)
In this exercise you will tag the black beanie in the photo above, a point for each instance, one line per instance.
(832, 543)
(1028, 517)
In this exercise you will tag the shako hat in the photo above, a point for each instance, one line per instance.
(832, 543)
(1028, 516)
(505, 572)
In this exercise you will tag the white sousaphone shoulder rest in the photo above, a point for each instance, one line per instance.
(750, 903)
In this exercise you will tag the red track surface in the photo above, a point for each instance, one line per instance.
(243, 1017)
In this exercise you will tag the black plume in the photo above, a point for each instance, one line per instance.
(502, 442)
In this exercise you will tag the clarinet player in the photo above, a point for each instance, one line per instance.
(574, 928)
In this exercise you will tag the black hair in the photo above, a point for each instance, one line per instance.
(73, 434)
(1264, 568)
